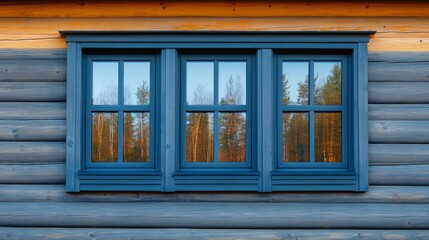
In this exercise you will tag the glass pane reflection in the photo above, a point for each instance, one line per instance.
(105, 83)
(295, 137)
(199, 83)
(199, 137)
(327, 137)
(136, 83)
(232, 83)
(104, 137)
(232, 137)
(136, 137)
(327, 83)
(295, 83)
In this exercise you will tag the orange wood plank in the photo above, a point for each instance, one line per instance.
(94, 8)
(51, 26)
(393, 34)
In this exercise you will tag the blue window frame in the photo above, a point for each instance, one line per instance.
(124, 69)
(300, 126)
(309, 108)
(224, 109)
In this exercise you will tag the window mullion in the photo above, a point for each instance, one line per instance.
(216, 113)
(311, 89)
(121, 113)
(168, 117)
(265, 110)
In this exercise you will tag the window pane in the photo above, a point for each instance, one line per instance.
(104, 137)
(295, 137)
(295, 83)
(105, 83)
(136, 137)
(199, 137)
(199, 83)
(232, 83)
(232, 137)
(327, 83)
(136, 83)
(327, 137)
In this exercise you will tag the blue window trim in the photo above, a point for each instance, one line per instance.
(120, 108)
(312, 108)
(265, 175)
(216, 109)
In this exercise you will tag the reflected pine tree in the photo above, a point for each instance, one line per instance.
(328, 133)
(104, 137)
(137, 129)
(232, 126)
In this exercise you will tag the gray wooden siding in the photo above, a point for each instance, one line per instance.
(32, 169)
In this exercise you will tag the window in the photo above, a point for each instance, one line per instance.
(228, 111)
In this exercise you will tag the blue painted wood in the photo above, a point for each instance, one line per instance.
(215, 109)
(73, 139)
(168, 114)
(169, 143)
(266, 117)
(217, 36)
(120, 108)
(361, 155)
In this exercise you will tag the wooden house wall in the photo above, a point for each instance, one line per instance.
(33, 201)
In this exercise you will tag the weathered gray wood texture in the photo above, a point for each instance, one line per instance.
(32, 130)
(11, 233)
(53, 173)
(32, 91)
(14, 152)
(215, 215)
(56, 193)
(32, 111)
(32, 170)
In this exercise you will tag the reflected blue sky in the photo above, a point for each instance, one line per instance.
(236, 70)
(135, 75)
(296, 72)
(321, 71)
(199, 82)
(105, 83)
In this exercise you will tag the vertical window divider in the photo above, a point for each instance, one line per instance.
(311, 90)
(121, 113)
(216, 113)
(168, 116)
(88, 111)
(265, 120)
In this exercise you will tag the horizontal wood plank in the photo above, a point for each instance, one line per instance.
(398, 154)
(32, 91)
(15, 54)
(28, 130)
(215, 215)
(32, 152)
(398, 92)
(398, 71)
(15, 233)
(33, 70)
(405, 175)
(412, 175)
(34, 174)
(47, 28)
(393, 34)
(398, 111)
(57, 193)
(43, 152)
(32, 110)
(53, 152)
(313, 8)
(398, 57)
(398, 131)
